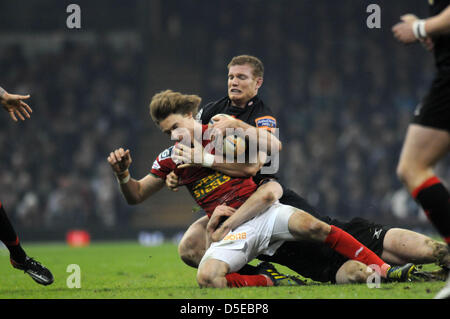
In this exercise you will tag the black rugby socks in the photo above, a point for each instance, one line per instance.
(9, 237)
(434, 199)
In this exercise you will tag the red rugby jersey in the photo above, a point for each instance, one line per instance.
(208, 187)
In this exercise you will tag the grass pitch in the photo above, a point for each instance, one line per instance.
(127, 270)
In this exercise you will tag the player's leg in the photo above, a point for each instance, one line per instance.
(303, 226)
(214, 273)
(218, 267)
(192, 246)
(401, 246)
(422, 149)
(9, 237)
(18, 257)
(223, 259)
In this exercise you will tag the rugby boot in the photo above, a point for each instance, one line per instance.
(407, 272)
(35, 270)
(278, 279)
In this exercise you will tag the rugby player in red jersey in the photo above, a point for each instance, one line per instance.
(267, 222)
(16, 107)
(311, 260)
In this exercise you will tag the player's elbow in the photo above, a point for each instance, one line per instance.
(252, 170)
(269, 198)
(132, 201)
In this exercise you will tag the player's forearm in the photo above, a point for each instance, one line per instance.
(237, 169)
(234, 169)
(261, 136)
(439, 24)
(131, 189)
(261, 200)
(131, 192)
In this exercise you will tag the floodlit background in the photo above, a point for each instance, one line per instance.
(343, 95)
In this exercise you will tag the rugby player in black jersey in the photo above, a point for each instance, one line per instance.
(245, 77)
(427, 139)
(16, 107)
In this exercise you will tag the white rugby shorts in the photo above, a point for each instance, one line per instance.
(263, 234)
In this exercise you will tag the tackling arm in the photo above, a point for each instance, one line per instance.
(262, 135)
(240, 169)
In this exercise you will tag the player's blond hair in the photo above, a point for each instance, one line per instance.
(169, 102)
(254, 62)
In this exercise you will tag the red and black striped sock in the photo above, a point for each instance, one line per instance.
(434, 198)
(9, 237)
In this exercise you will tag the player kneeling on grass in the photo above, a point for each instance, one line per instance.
(262, 224)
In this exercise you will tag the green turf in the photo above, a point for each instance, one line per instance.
(127, 270)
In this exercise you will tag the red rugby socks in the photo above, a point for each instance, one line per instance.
(236, 280)
(347, 245)
(434, 199)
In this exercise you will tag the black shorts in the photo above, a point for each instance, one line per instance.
(434, 110)
(318, 261)
(291, 198)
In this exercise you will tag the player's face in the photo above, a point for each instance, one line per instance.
(178, 126)
(242, 85)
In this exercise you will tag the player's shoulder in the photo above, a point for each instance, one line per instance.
(164, 156)
(263, 115)
(163, 163)
(210, 109)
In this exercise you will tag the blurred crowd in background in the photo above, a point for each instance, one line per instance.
(343, 95)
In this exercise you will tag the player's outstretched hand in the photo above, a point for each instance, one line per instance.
(403, 31)
(172, 181)
(120, 160)
(15, 106)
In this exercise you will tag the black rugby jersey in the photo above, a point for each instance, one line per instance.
(255, 113)
(441, 42)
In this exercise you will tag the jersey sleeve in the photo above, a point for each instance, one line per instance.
(163, 164)
(267, 122)
(204, 114)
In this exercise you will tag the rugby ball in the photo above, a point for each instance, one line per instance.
(232, 144)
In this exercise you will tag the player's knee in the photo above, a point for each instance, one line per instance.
(316, 229)
(269, 198)
(206, 278)
(441, 252)
(412, 174)
(402, 172)
(203, 279)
